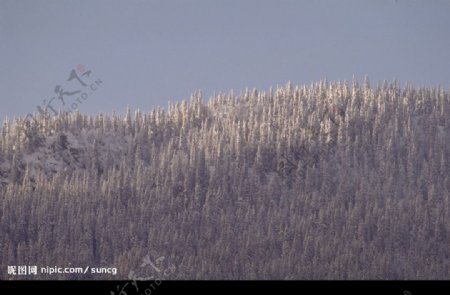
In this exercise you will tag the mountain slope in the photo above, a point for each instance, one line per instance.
(329, 181)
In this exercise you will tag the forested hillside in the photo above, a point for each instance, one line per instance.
(327, 181)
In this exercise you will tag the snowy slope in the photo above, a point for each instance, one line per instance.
(66, 153)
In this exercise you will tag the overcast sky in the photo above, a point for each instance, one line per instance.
(146, 53)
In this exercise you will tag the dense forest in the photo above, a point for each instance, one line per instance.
(335, 180)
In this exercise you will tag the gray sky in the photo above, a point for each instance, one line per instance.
(149, 52)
